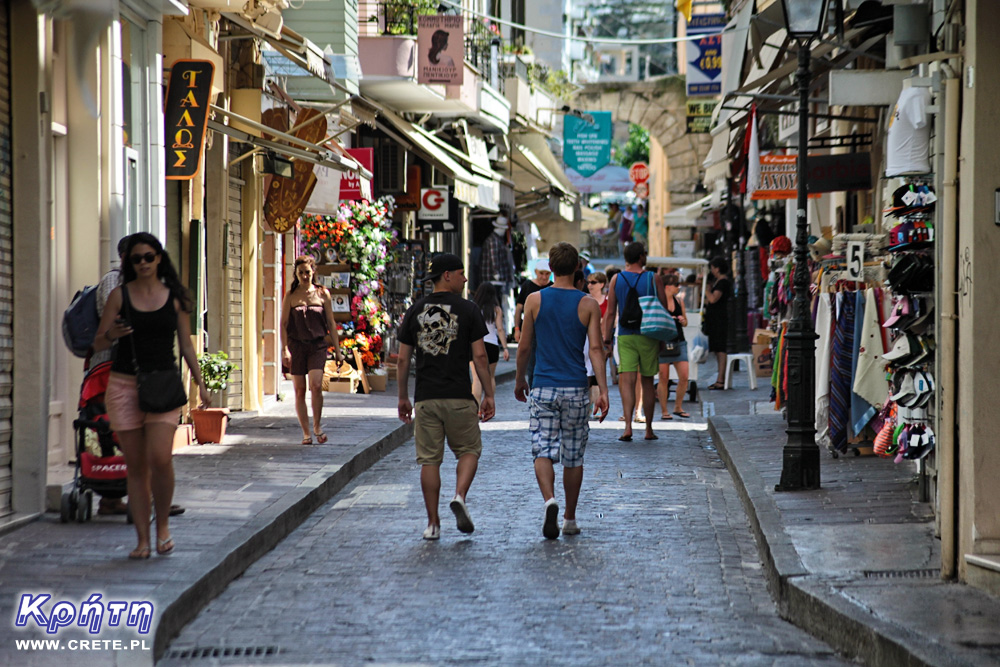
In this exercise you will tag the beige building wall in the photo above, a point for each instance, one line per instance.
(979, 293)
(659, 199)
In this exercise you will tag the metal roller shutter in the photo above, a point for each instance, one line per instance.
(234, 289)
(6, 268)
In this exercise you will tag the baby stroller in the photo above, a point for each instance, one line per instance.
(99, 465)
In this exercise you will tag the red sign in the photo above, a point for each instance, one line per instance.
(350, 182)
(639, 172)
(641, 190)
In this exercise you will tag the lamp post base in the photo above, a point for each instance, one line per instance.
(799, 468)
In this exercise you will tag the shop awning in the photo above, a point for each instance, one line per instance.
(536, 167)
(591, 219)
(435, 151)
(300, 149)
(690, 215)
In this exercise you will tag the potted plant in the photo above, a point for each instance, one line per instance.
(210, 423)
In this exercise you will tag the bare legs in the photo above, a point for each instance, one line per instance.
(149, 457)
(572, 481)
(477, 386)
(430, 484)
(315, 386)
(682, 385)
(627, 386)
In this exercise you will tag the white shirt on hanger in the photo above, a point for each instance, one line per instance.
(909, 137)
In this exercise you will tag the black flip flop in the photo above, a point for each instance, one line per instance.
(626, 438)
(683, 415)
(654, 437)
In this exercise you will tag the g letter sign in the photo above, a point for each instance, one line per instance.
(185, 117)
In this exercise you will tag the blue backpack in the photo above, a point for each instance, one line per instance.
(80, 321)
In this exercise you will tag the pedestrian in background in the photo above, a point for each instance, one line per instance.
(562, 318)
(716, 323)
(145, 316)
(640, 225)
(540, 281)
(495, 340)
(675, 306)
(447, 333)
(308, 330)
(637, 353)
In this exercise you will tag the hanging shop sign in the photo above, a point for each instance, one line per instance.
(438, 210)
(286, 198)
(186, 116)
(825, 173)
(586, 145)
(704, 56)
(351, 186)
(440, 46)
(410, 200)
(699, 116)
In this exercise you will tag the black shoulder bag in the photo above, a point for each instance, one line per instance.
(159, 391)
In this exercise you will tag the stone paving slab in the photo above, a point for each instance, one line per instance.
(856, 563)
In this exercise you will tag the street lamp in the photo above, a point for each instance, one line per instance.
(800, 457)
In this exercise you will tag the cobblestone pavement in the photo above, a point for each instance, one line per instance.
(665, 571)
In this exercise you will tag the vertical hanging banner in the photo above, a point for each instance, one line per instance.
(704, 56)
(186, 116)
(440, 46)
(351, 186)
(587, 146)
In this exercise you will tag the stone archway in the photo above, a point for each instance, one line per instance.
(660, 107)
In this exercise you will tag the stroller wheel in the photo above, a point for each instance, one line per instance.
(88, 504)
(81, 508)
(65, 509)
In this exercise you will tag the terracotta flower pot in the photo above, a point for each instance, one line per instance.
(210, 424)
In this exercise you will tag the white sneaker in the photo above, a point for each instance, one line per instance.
(569, 527)
(432, 532)
(550, 527)
(462, 517)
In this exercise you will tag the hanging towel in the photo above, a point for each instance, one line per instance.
(861, 410)
(869, 376)
(824, 322)
(840, 372)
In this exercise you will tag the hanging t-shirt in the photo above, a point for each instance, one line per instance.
(442, 327)
(909, 138)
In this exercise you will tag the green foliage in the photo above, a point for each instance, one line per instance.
(216, 369)
(636, 149)
(401, 15)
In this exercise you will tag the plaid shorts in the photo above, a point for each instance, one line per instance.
(559, 423)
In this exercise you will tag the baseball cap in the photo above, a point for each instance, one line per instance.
(443, 262)
(901, 314)
(904, 348)
(585, 254)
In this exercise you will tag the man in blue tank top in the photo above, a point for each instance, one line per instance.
(562, 317)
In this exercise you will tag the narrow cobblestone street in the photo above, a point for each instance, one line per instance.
(665, 571)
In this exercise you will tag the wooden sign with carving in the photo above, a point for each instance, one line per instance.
(286, 198)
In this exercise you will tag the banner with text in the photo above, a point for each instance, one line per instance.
(587, 146)
(699, 116)
(825, 173)
(440, 46)
(704, 56)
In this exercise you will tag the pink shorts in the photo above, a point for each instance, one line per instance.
(122, 401)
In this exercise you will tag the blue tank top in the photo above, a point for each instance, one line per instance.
(643, 284)
(559, 335)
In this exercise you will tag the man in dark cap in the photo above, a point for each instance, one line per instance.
(447, 333)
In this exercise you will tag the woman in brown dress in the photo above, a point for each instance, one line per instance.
(307, 330)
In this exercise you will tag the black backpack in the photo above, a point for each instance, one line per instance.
(80, 320)
(632, 312)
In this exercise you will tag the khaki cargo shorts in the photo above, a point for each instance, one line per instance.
(436, 419)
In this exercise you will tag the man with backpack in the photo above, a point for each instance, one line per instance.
(637, 353)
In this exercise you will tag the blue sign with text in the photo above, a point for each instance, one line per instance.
(704, 56)
(586, 145)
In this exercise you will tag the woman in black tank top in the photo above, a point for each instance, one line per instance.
(145, 315)
(675, 306)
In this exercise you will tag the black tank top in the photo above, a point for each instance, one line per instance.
(153, 333)
(675, 312)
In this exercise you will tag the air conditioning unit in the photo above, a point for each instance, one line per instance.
(390, 168)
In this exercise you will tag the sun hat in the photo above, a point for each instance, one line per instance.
(441, 263)
(500, 222)
(781, 244)
(541, 264)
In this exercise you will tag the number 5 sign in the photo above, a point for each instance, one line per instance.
(855, 260)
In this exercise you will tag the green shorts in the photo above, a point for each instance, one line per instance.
(638, 353)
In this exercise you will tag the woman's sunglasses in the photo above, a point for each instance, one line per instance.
(594, 282)
(149, 258)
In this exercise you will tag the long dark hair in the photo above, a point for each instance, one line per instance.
(299, 261)
(486, 298)
(165, 271)
(721, 264)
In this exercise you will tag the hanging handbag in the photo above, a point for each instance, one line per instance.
(671, 349)
(159, 391)
(656, 321)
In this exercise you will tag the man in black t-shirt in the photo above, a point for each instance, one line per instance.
(447, 333)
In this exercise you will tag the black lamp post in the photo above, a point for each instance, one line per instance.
(800, 457)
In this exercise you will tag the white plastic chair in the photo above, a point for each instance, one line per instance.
(747, 360)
